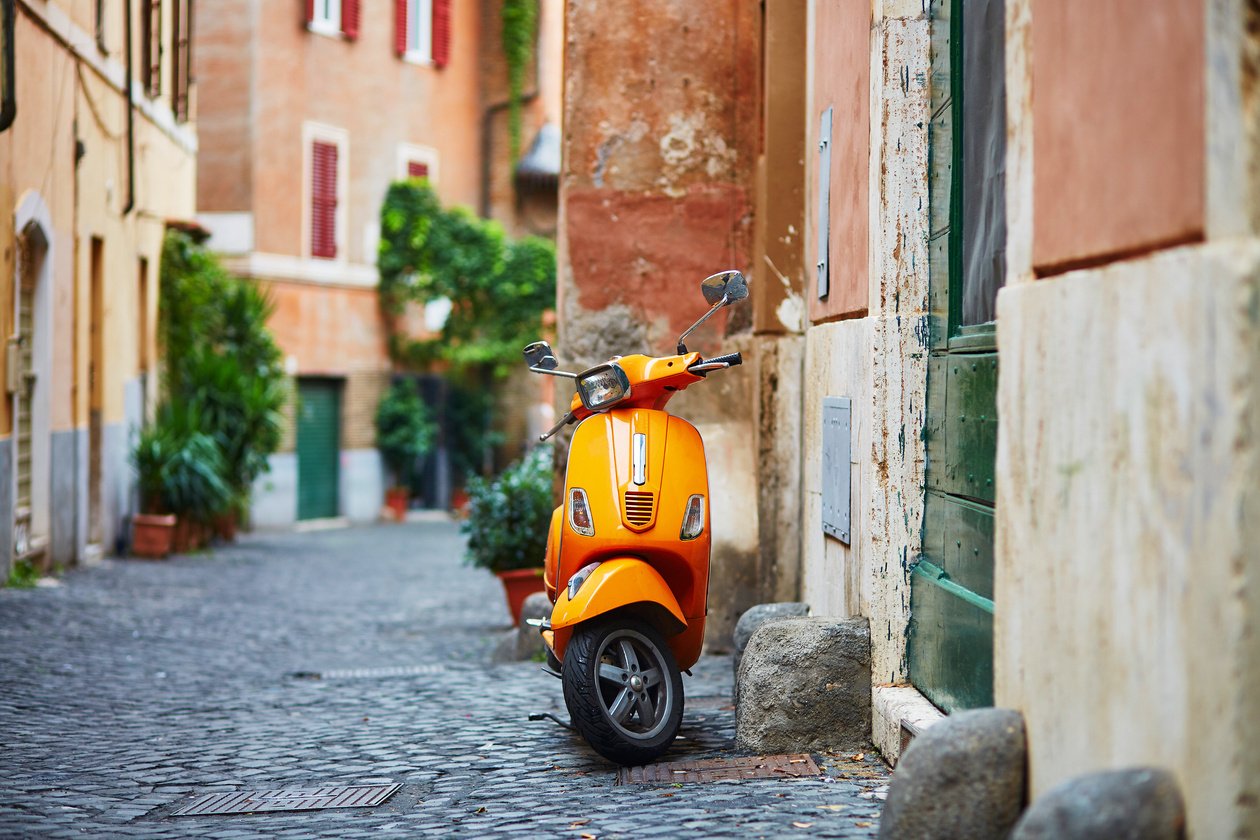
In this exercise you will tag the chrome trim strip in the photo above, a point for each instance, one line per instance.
(639, 459)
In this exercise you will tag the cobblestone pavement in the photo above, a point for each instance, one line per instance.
(135, 686)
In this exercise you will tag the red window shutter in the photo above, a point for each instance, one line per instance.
(323, 200)
(400, 26)
(441, 32)
(415, 169)
(350, 18)
(310, 11)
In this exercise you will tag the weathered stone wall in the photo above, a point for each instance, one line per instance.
(661, 132)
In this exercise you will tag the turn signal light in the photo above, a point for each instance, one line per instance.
(580, 513)
(693, 518)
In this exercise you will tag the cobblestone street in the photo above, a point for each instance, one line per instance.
(135, 686)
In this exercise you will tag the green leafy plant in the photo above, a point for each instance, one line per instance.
(181, 469)
(222, 365)
(22, 575)
(498, 288)
(404, 430)
(508, 517)
(520, 23)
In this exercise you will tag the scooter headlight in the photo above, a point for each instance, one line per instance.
(603, 386)
(580, 513)
(579, 578)
(693, 518)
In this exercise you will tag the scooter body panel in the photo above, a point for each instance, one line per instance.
(638, 468)
(617, 583)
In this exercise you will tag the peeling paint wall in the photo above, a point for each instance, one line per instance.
(879, 361)
(657, 192)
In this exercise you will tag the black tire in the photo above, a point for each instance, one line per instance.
(626, 715)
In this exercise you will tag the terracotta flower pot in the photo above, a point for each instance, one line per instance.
(225, 527)
(519, 584)
(397, 499)
(152, 534)
(184, 538)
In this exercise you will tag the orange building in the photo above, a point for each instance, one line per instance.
(307, 114)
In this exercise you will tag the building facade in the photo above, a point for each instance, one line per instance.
(999, 391)
(98, 158)
(308, 113)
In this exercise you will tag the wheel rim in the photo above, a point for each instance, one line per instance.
(635, 687)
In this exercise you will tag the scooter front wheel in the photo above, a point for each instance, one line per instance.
(623, 689)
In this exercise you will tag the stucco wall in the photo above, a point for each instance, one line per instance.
(1126, 560)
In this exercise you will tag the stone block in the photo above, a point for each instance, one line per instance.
(1132, 804)
(963, 779)
(754, 617)
(805, 686)
(524, 642)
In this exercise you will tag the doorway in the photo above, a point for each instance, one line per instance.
(318, 448)
(29, 384)
(950, 640)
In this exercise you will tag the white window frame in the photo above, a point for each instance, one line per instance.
(419, 32)
(313, 132)
(411, 152)
(326, 18)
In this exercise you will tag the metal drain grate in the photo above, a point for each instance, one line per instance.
(720, 769)
(309, 799)
(370, 673)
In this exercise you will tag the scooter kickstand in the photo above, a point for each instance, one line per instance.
(550, 716)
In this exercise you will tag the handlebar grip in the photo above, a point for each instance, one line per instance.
(731, 359)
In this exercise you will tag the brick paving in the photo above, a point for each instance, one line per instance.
(136, 686)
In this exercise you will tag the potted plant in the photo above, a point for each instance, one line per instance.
(507, 525)
(182, 485)
(152, 531)
(404, 433)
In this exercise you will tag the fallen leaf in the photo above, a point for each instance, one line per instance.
(833, 807)
(862, 824)
(667, 794)
(578, 824)
(588, 837)
(802, 824)
(480, 810)
(859, 756)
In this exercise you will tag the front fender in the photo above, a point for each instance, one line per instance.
(617, 583)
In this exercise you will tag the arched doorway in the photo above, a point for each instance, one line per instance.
(29, 384)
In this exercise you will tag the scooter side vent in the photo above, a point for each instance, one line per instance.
(639, 506)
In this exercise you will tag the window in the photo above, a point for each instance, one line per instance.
(181, 57)
(325, 167)
(422, 30)
(151, 46)
(324, 200)
(417, 162)
(333, 17)
(324, 16)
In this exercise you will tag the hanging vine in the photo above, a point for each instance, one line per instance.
(520, 20)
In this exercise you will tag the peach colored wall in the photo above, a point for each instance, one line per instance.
(1118, 128)
(842, 73)
(364, 88)
(329, 330)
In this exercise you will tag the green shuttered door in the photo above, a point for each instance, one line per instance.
(950, 645)
(318, 448)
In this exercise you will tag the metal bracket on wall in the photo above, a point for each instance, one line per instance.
(824, 204)
(837, 436)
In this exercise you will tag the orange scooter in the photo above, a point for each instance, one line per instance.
(627, 565)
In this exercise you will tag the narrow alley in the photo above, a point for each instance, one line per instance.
(343, 657)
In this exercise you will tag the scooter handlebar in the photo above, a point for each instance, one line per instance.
(717, 363)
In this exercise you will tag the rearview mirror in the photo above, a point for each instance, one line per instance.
(724, 287)
(540, 355)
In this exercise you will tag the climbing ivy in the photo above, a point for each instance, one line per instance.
(520, 18)
(498, 287)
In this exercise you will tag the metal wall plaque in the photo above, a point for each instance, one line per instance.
(837, 438)
(824, 204)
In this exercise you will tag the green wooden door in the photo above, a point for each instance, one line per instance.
(318, 448)
(950, 645)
